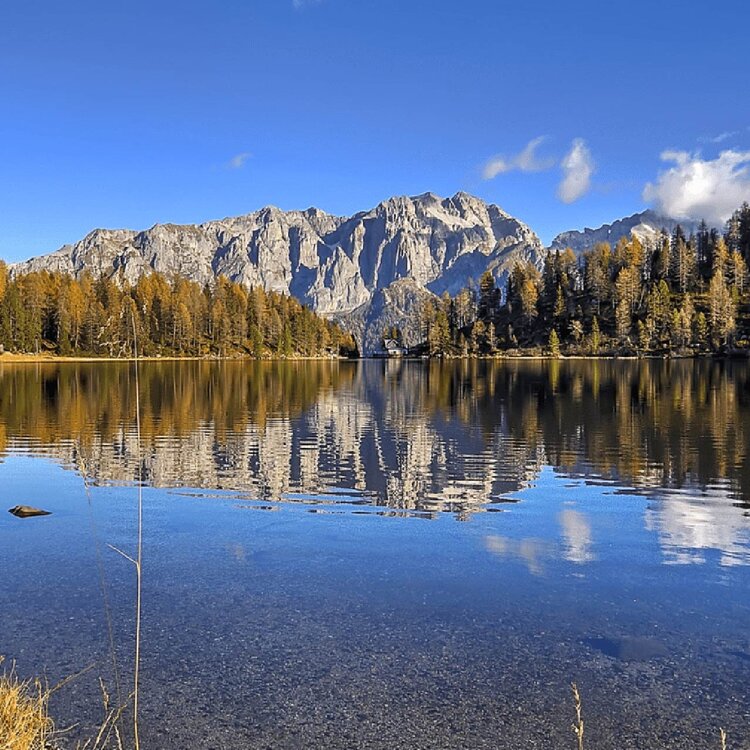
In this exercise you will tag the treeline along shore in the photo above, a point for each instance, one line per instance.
(678, 295)
(54, 313)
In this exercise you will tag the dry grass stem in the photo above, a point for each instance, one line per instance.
(723, 736)
(578, 725)
(102, 576)
(109, 727)
(139, 554)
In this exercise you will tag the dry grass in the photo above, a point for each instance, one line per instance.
(578, 724)
(109, 735)
(25, 723)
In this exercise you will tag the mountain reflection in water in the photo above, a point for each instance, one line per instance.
(418, 437)
(295, 595)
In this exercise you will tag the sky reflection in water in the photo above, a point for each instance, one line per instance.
(304, 576)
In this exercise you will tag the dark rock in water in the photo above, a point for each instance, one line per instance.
(26, 511)
(629, 648)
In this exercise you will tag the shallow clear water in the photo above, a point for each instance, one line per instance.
(387, 555)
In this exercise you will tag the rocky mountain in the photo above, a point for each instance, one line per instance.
(645, 225)
(367, 271)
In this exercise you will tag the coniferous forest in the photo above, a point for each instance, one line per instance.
(677, 295)
(53, 312)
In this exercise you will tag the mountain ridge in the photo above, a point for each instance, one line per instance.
(337, 265)
(646, 225)
(369, 270)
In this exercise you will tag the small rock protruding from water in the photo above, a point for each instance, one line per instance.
(26, 511)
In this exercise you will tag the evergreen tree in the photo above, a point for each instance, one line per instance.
(489, 296)
(595, 336)
(554, 343)
(722, 311)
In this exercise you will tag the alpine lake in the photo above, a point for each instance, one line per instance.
(384, 554)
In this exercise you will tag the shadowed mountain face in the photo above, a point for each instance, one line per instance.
(368, 271)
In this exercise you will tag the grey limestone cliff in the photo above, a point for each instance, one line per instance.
(367, 271)
(646, 225)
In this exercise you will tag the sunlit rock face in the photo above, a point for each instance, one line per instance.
(646, 226)
(369, 270)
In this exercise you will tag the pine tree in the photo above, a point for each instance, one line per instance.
(721, 260)
(722, 311)
(684, 326)
(597, 282)
(554, 343)
(489, 296)
(439, 334)
(700, 331)
(683, 258)
(595, 336)
(737, 272)
(491, 338)
(559, 308)
(476, 339)
(659, 310)
(644, 338)
(704, 250)
(662, 259)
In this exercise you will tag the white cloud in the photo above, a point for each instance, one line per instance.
(526, 161)
(238, 160)
(299, 4)
(725, 136)
(695, 188)
(577, 166)
(576, 531)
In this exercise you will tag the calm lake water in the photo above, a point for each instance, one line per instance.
(387, 554)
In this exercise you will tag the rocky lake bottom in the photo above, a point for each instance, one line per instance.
(377, 556)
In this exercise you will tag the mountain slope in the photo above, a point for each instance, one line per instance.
(645, 225)
(339, 266)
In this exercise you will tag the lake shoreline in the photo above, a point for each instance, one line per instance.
(14, 358)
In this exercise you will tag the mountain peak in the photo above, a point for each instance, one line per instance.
(428, 197)
(646, 225)
(338, 266)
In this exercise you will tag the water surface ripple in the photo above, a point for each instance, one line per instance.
(387, 554)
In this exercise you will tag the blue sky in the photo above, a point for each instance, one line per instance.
(160, 111)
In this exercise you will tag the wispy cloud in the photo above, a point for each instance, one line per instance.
(576, 531)
(238, 160)
(725, 136)
(526, 161)
(577, 167)
(697, 188)
(299, 4)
